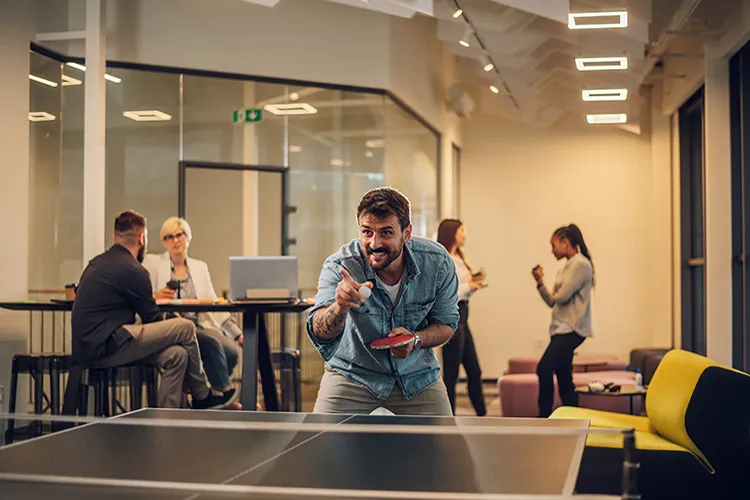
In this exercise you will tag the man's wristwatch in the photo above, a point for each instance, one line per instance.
(417, 341)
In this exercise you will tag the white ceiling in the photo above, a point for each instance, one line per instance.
(534, 50)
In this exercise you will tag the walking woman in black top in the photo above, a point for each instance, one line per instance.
(460, 349)
(570, 300)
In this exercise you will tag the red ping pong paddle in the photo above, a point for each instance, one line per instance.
(391, 342)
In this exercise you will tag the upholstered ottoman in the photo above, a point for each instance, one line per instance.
(522, 364)
(519, 393)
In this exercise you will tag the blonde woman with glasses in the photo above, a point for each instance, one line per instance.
(219, 336)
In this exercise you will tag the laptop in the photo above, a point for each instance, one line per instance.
(263, 279)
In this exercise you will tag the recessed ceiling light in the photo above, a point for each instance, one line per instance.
(494, 89)
(369, 154)
(601, 63)
(605, 95)
(336, 162)
(605, 119)
(40, 116)
(67, 81)
(43, 81)
(457, 14)
(294, 96)
(295, 149)
(300, 108)
(601, 20)
(150, 115)
(81, 67)
(375, 143)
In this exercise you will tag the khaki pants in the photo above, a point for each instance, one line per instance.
(170, 345)
(338, 394)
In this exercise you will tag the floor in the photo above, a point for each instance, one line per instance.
(463, 405)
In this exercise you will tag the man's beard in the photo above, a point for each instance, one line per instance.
(390, 256)
(141, 254)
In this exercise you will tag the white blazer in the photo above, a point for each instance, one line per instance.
(160, 268)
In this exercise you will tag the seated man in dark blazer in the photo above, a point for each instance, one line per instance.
(115, 287)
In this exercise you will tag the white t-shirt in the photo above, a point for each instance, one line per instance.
(392, 290)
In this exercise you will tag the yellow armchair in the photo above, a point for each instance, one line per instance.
(695, 440)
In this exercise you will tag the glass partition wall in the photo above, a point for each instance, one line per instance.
(335, 142)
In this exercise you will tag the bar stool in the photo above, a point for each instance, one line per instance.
(288, 363)
(105, 381)
(36, 366)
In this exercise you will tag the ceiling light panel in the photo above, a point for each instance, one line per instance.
(41, 116)
(151, 115)
(601, 63)
(597, 20)
(607, 119)
(605, 95)
(298, 108)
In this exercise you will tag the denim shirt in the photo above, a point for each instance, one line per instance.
(428, 295)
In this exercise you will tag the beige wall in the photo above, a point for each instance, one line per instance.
(518, 184)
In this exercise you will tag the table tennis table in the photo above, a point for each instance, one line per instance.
(188, 454)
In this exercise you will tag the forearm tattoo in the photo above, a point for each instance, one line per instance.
(327, 324)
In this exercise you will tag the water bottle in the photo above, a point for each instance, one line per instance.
(638, 381)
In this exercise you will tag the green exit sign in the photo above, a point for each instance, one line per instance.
(248, 115)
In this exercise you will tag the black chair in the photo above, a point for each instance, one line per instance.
(643, 360)
(36, 366)
(290, 379)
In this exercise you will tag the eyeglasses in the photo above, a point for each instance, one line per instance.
(171, 237)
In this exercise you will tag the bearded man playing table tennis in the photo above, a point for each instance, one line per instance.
(384, 302)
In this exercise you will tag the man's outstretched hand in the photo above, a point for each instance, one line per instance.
(348, 294)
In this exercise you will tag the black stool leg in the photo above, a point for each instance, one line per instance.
(10, 431)
(101, 386)
(113, 374)
(135, 379)
(152, 381)
(54, 388)
(83, 397)
(296, 378)
(74, 390)
(267, 376)
(37, 373)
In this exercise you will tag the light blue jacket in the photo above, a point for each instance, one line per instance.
(428, 295)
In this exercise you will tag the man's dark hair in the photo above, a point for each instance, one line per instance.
(383, 202)
(128, 225)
